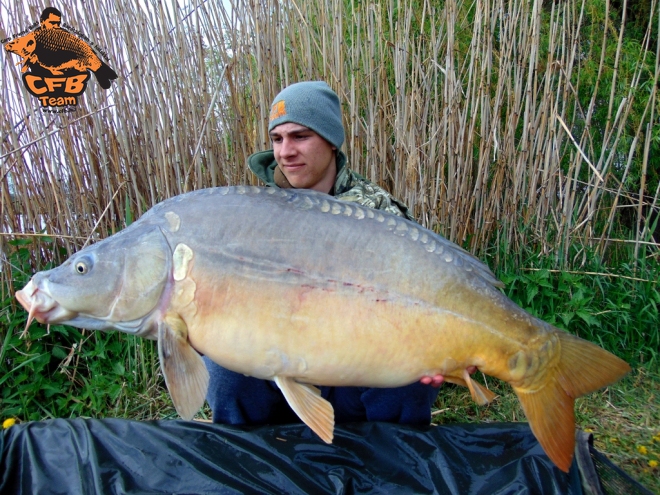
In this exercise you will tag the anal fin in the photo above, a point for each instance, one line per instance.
(480, 394)
(186, 376)
(311, 408)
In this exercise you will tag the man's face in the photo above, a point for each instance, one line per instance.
(51, 22)
(305, 158)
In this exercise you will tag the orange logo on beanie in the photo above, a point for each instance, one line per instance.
(277, 110)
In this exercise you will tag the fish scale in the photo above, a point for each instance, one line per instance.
(306, 290)
(59, 39)
(65, 47)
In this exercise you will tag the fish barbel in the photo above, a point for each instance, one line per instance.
(303, 289)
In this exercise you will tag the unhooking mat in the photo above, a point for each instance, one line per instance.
(116, 456)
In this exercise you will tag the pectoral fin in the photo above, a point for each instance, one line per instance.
(307, 403)
(185, 375)
(480, 394)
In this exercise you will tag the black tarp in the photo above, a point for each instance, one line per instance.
(83, 456)
(121, 456)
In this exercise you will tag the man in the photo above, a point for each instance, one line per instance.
(306, 131)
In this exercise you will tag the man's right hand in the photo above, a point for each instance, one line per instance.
(437, 380)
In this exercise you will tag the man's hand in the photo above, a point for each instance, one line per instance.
(437, 380)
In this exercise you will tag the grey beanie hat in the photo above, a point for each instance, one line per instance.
(312, 104)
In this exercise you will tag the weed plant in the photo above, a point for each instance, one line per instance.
(615, 307)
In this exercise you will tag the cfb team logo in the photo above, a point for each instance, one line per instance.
(56, 63)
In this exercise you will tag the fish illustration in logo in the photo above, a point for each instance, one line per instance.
(58, 51)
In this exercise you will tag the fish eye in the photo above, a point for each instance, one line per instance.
(82, 267)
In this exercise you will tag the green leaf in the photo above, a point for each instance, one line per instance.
(50, 389)
(20, 242)
(21, 377)
(532, 290)
(59, 352)
(119, 368)
(566, 318)
(587, 318)
(128, 212)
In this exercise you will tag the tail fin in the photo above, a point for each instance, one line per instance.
(583, 367)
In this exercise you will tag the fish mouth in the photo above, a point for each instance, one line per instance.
(41, 306)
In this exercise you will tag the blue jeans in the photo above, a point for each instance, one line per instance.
(236, 399)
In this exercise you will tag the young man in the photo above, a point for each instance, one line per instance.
(306, 131)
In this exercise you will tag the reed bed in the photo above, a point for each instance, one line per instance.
(517, 123)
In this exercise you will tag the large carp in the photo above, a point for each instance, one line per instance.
(303, 289)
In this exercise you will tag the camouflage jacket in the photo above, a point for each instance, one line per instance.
(349, 185)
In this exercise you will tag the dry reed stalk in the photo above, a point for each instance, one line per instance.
(467, 111)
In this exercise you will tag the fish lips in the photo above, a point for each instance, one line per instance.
(41, 306)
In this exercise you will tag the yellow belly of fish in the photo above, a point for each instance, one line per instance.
(336, 337)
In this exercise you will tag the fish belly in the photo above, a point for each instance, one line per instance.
(339, 335)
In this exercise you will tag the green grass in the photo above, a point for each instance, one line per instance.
(615, 308)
